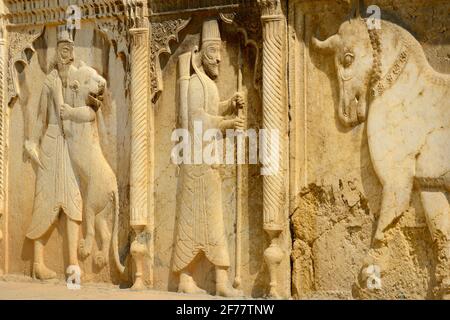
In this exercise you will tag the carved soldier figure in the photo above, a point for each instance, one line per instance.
(57, 189)
(201, 229)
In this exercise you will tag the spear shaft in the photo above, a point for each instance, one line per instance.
(239, 181)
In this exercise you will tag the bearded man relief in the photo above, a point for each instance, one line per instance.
(408, 127)
(71, 166)
(200, 224)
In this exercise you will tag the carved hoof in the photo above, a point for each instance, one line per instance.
(100, 260)
(371, 277)
(84, 250)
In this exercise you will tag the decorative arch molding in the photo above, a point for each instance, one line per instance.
(20, 51)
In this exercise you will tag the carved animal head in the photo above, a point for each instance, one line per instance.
(353, 49)
(89, 85)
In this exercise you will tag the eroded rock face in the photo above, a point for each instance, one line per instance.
(343, 191)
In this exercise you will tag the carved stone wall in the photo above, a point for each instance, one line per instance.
(94, 48)
(349, 202)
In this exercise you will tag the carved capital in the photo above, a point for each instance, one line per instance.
(139, 37)
(137, 13)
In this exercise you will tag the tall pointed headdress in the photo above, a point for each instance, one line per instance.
(64, 35)
(210, 31)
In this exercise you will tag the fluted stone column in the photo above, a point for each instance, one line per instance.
(3, 141)
(140, 152)
(275, 120)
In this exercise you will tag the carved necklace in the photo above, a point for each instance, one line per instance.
(380, 84)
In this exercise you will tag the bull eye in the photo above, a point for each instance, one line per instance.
(348, 59)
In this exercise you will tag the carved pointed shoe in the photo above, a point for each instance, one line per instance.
(41, 272)
(225, 290)
(188, 285)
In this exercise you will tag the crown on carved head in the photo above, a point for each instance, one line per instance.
(210, 31)
(270, 7)
(64, 35)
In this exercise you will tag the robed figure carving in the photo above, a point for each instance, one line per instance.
(57, 190)
(201, 228)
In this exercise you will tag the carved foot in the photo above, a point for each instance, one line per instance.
(41, 272)
(188, 285)
(225, 290)
(100, 260)
(84, 248)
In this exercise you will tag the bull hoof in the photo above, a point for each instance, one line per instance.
(84, 250)
(100, 260)
(371, 277)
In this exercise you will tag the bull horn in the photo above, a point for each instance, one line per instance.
(328, 45)
(356, 8)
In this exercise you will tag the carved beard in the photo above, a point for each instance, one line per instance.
(63, 65)
(211, 66)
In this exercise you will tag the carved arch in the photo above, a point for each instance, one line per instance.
(20, 52)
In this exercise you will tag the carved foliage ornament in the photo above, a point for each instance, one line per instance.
(162, 33)
(20, 50)
(116, 33)
(246, 24)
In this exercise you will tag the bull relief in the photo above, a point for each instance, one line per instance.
(260, 149)
(395, 105)
(385, 79)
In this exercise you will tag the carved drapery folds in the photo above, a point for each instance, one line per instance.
(274, 120)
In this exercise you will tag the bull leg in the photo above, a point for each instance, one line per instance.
(395, 200)
(437, 213)
(105, 236)
(85, 247)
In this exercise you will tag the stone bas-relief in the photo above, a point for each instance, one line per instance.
(359, 205)
(56, 185)
(70, 162)
(201, 228)
(408, 126)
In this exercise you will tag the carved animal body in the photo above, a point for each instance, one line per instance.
(408, 124)
(97, 179)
